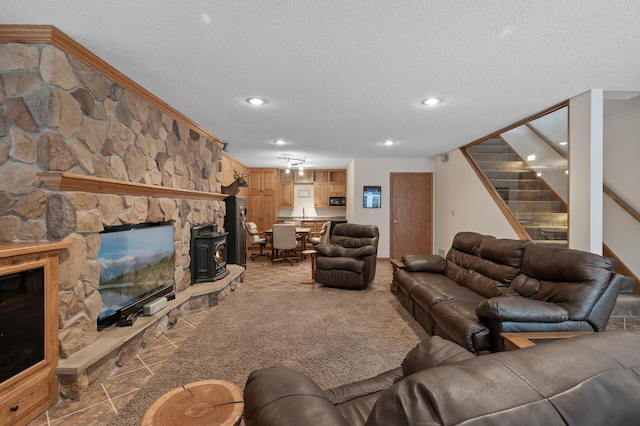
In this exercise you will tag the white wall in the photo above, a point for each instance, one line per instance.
(376, 172)
(622, 175)
(586, 171)
(462, 203)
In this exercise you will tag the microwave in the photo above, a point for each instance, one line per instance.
(337, 201)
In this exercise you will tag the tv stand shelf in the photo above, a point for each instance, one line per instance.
(31, 386)
(72, 182)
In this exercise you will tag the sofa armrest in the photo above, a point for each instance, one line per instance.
(520, 309)
(354, 390)
(424, 263)
(432, 352)
(329, 250)
(284, 397)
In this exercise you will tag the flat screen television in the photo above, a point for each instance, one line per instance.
(137, 266)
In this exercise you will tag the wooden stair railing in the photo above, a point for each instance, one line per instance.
(622, 268)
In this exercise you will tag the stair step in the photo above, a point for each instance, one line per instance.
(546, 232)
(553, 243)
(536, 206)
(488, 149)
(542, 219)
(509, 174)
(492, 142)
(524, 194)
(515, 183)
(500, 165)
(494, 156)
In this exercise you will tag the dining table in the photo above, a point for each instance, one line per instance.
(302, 232)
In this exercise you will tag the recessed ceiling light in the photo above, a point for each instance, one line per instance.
(563, 143)
(280, 142)
(431, 101)
(531, 157)
(256, 101)
(389, 142)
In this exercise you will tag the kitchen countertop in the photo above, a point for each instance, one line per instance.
(311, 219)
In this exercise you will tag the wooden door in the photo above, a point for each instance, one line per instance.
(411, 214)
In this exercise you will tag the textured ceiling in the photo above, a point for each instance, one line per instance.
(343, 76)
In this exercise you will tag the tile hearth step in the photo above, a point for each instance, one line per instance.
(113, 338)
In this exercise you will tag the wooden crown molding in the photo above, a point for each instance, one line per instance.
(48, 34)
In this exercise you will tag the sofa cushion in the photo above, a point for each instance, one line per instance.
(436, 288)
(432, 352)
(424, 263)
(571, 279)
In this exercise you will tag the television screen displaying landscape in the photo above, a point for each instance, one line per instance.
(134, 263)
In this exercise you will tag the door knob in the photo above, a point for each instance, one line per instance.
(395, 221)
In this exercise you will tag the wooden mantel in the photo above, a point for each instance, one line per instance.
(72, 182)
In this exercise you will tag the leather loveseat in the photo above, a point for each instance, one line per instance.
(487, 286)
(349, 260)
(588, 380)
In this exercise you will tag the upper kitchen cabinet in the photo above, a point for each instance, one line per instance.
(262, 180)
(305, 177)
(337, 189)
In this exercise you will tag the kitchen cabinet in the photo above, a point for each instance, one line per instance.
(321, 194)
(337, 189)
(306, 177)
(262, 180)
(285, 194)
(262, 199)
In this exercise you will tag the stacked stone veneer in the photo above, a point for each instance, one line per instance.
(57, 114)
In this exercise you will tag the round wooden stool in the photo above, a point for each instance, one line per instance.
(210, 402)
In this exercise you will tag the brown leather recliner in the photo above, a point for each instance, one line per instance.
(349, 260)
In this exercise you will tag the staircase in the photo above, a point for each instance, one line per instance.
(538, 210)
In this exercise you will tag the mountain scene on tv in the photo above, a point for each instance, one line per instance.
(134, 264)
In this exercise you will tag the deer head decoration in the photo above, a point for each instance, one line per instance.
(235, 186)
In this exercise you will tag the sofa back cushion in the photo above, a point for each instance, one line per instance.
(483, 263)
(572, 279)
(351, 235)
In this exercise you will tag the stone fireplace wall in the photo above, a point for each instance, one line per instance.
(57, 114)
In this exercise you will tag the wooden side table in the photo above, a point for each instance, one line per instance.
(395, 264)
(524, 340)
(210, 402)
(311, 253)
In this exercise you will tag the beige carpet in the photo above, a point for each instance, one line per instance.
(335, 336)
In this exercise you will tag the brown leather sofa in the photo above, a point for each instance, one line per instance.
(487, 286)
(588, 380)
(349, 260)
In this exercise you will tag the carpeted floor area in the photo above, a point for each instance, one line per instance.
(335, 336)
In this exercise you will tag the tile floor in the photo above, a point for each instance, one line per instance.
(102, 403)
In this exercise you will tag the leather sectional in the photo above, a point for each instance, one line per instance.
(587, 380)
(486, 286)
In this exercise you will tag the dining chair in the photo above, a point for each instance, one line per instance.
(320, 237)
(284, 240)
(256, 239)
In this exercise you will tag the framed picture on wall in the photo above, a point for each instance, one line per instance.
(372, 197)
(304, 193)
